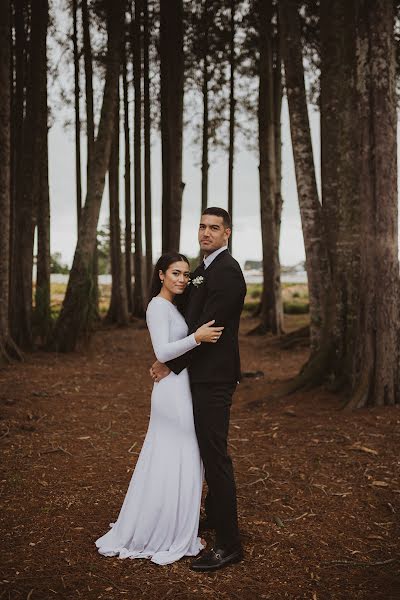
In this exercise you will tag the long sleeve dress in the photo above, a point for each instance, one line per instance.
(160, 514)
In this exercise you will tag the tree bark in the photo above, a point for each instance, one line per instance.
(118, 309)
(231, 115)
(271, 301)
(128, 215)
(88, 61)
(78, 175)
(8, 349)
(18, 145)
(277, 94)
(317, 265)
(360, 350)
(42, 313)
(75, 317)
(374, 375)
(147, 144)
(172, 77)
(27, 199)
(138, 300)
(204, 155)
(90, 133)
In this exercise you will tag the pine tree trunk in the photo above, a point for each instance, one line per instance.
(138, 300)
(172, 75)
(27, 199)
(88, 62)
(7, 346)
(360, 349)
(204, 155)
(375, 351)
(128, 215)
(271, 301)
(231, 115)
(340, 179)
(147, 144)
(42, 314)
(18, 144)
(278, 94)
(75, 317)
(118, 309)
(78, 176)
(317, 265)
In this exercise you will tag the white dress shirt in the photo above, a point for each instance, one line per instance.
(208, 260)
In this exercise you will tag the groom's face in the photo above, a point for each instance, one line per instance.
(212, 234)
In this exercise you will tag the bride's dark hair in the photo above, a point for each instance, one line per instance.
(162, 264)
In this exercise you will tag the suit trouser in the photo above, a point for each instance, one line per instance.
(211, 408)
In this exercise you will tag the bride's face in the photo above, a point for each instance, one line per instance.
(176, 277)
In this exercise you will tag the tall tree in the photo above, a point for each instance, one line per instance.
(28, 196)
(118, 309)
(277, 104)
(147, 142)
(317, 265)
(128, 211)
(232, 101)
(88, 62)
(138, 300)
(78, 176)
(90, 133)
(172, 76)
(7, 346)
(375, 372)
(271, 301)
(18, 104)
(74, 318)
(42, 314)
(360, 349)
(205, 93)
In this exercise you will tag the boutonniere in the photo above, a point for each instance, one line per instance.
(197, 281)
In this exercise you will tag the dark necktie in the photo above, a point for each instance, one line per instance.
(200, 269)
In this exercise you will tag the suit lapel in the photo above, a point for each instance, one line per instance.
(197, 295)
(216, 260)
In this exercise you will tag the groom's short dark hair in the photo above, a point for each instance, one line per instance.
(219, 212)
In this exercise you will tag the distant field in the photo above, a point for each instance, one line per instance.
(295, 297)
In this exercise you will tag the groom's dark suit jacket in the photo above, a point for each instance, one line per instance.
(219, 297)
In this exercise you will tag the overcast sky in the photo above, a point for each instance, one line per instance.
(246, 210)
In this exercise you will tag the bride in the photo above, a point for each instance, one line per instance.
(159, 517)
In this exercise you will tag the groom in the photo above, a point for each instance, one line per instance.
(217, 291)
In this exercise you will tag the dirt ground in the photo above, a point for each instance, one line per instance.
(318, 488)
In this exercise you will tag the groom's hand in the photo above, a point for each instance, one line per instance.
(158, 371)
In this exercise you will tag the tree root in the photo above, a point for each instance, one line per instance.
(9, 351)
(260, 329)
(360, 396)
(298, 337)
(312, 374)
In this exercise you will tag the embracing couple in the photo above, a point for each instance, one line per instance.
(193, 323)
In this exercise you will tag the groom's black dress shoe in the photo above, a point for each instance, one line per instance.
(217, 559)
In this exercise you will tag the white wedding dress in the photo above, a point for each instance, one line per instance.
(160, 514)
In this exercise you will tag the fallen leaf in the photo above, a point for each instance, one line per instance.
(380, 483)
(364, 449)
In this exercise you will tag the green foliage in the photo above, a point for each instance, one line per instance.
(296, 308)
(103, 250)
(56, 266)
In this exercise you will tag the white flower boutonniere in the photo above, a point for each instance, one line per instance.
(197, 281)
